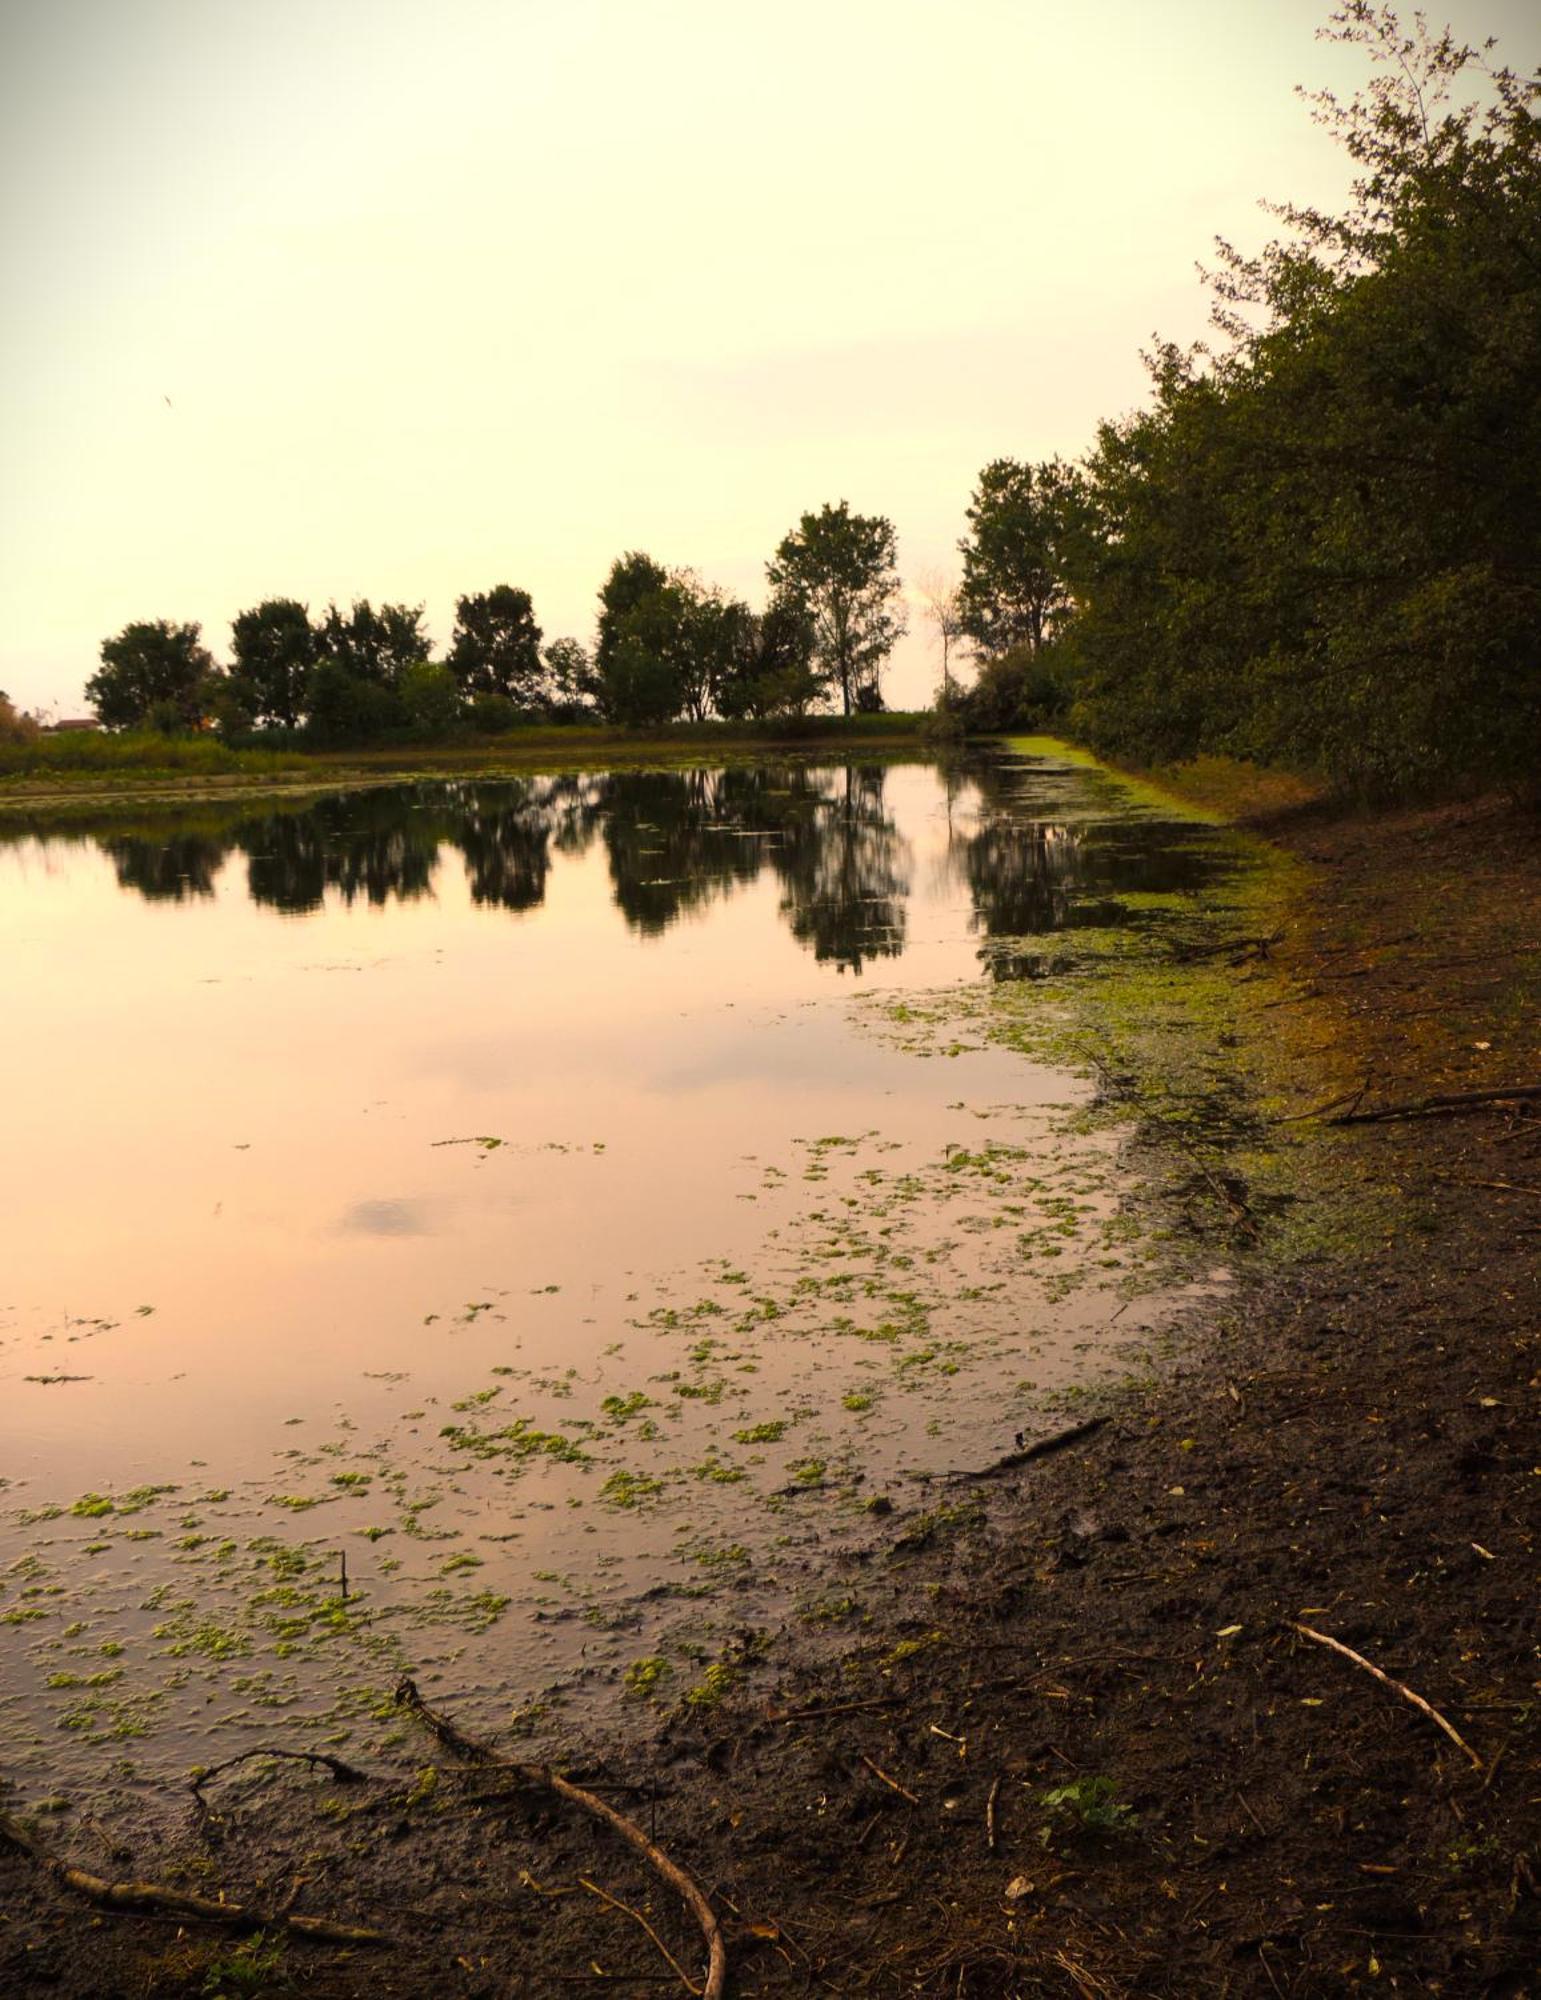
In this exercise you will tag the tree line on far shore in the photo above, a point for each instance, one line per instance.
(668, 647)
(1318, 546)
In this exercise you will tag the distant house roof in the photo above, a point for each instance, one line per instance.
(73, 722)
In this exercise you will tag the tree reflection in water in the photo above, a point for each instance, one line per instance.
(1039, 848)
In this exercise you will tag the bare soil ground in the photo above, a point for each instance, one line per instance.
(1104, 1761)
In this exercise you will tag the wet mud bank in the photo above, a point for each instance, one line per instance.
(1061, 1731)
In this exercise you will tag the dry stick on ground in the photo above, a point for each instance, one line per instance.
(345, 1774)
(1407, 1694)
(1245, 947)
(1450, 1101)
(834, 1708)
(892, 1783)
(1352, 1098)
(541, 1777)
(1503, 1187)
(155, 1897)
(1039, 1448)
(637, 1917)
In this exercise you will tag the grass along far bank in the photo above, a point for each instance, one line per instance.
(108, 767)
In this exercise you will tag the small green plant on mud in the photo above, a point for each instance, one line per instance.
(714, 1686)
(253, 1967)
(643, 1677)
(1093, 1805)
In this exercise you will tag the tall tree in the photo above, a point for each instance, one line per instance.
(1014, 587)
(496, 645)
(648, 672)
(273, 649)
(632, 577)
(842, 568)
(152, 672)
(374, 646)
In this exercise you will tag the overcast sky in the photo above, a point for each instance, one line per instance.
(406, 298)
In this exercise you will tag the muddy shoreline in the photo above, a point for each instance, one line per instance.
(1077, 1746)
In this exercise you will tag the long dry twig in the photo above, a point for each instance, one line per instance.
(542, 1777)
(833, 1708)
(345, 1774)
(1042, 1447)
(637, 1917)
(892, 1783)
(1352, 1098)
(155, 1896)
(1397, 1687)
(1503, 1187)
(1450, 1101)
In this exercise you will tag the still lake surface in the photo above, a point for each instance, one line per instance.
(516, 1187)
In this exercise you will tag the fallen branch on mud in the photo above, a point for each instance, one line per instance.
(893, 1784)
(540, 1777)
(1397, 1687)
(155, 1897)
(1352, 1098)
(345, 1774)
(833, 1708)
(1236, 949)
(637, 1917)
(1039, 1448)
(1445, 1105)
(1503, 1187)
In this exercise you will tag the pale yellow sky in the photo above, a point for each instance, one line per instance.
(445, 293)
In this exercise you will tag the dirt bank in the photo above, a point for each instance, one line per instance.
(1082, 1747)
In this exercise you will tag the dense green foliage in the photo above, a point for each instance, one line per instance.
(273, 650)
(153, 673)
(671, 646)
(496, 646)
(1322, 543)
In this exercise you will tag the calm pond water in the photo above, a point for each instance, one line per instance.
(511, 1187)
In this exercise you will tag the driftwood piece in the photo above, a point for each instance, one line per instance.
(1039, 1448)
(1447, 1104)
(156, 1898)
(1397, 1687)
(540, 1777)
